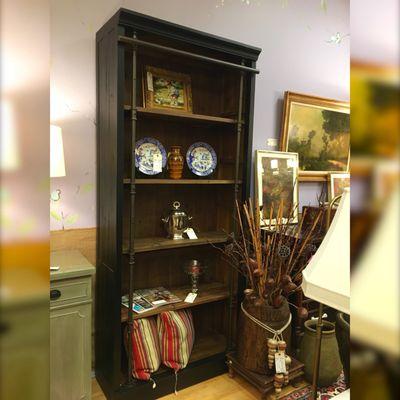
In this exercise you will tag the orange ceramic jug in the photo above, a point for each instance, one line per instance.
(175, 163)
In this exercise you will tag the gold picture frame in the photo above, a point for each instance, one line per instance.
(167, 90)
(337, 182)
(276, 174)
(318, 129)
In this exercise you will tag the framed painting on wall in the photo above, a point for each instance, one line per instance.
(337, 182)
(318, 129)
(167, 90)
(276, 181)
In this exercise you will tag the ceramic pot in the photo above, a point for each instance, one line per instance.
(252, 349)
(343, 339)
(175, 163)
(330, 366)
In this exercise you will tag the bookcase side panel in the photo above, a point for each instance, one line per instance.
(109, 59)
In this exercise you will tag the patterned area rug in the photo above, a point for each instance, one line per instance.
(325, 393)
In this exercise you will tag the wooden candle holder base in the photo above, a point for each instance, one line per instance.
(263, 383)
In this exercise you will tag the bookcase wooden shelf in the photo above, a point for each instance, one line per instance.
(207, 346)
(174, 115)
(133, 251)
(162, 243)
(209, 293)
(155, 181)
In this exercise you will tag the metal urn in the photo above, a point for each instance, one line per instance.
(176, 222)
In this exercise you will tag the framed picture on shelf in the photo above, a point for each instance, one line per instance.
(318, 129)
(167, 90)
(276, 180)
(337, 182)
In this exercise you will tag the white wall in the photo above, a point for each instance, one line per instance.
(297, 55)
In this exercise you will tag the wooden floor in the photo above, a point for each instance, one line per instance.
(221, 388)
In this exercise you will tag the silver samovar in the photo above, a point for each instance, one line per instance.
(176, 222)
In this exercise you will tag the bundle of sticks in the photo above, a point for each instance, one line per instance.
(271, 253)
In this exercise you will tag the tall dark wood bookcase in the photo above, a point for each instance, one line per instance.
(132, 249)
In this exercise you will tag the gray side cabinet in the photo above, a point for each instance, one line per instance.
(70, 326)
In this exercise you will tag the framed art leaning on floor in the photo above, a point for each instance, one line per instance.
(276, 181)
(337, 183)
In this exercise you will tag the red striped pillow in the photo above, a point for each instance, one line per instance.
(145, 348)
(176, 334)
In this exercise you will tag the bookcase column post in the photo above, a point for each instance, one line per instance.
(239, 128)
(132, 193)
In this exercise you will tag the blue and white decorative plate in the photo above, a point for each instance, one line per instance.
(201, 159)
(150, 156)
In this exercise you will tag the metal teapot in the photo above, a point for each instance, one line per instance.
(176, 222)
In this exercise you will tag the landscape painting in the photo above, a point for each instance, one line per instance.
(276, 182)
(319, 131)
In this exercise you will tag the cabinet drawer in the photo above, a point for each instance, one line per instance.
(70, 291)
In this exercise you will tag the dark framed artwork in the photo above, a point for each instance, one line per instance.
(276, 182)
(318, 129)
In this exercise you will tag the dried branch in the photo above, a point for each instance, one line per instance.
(260, 254)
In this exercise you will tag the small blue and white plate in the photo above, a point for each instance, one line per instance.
(150, 156)
(201, 159)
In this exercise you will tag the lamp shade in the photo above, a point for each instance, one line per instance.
(326, 278)
(57, 163)
(375, 307)
(9, 155)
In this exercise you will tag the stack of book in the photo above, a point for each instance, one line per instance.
(147, 299)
